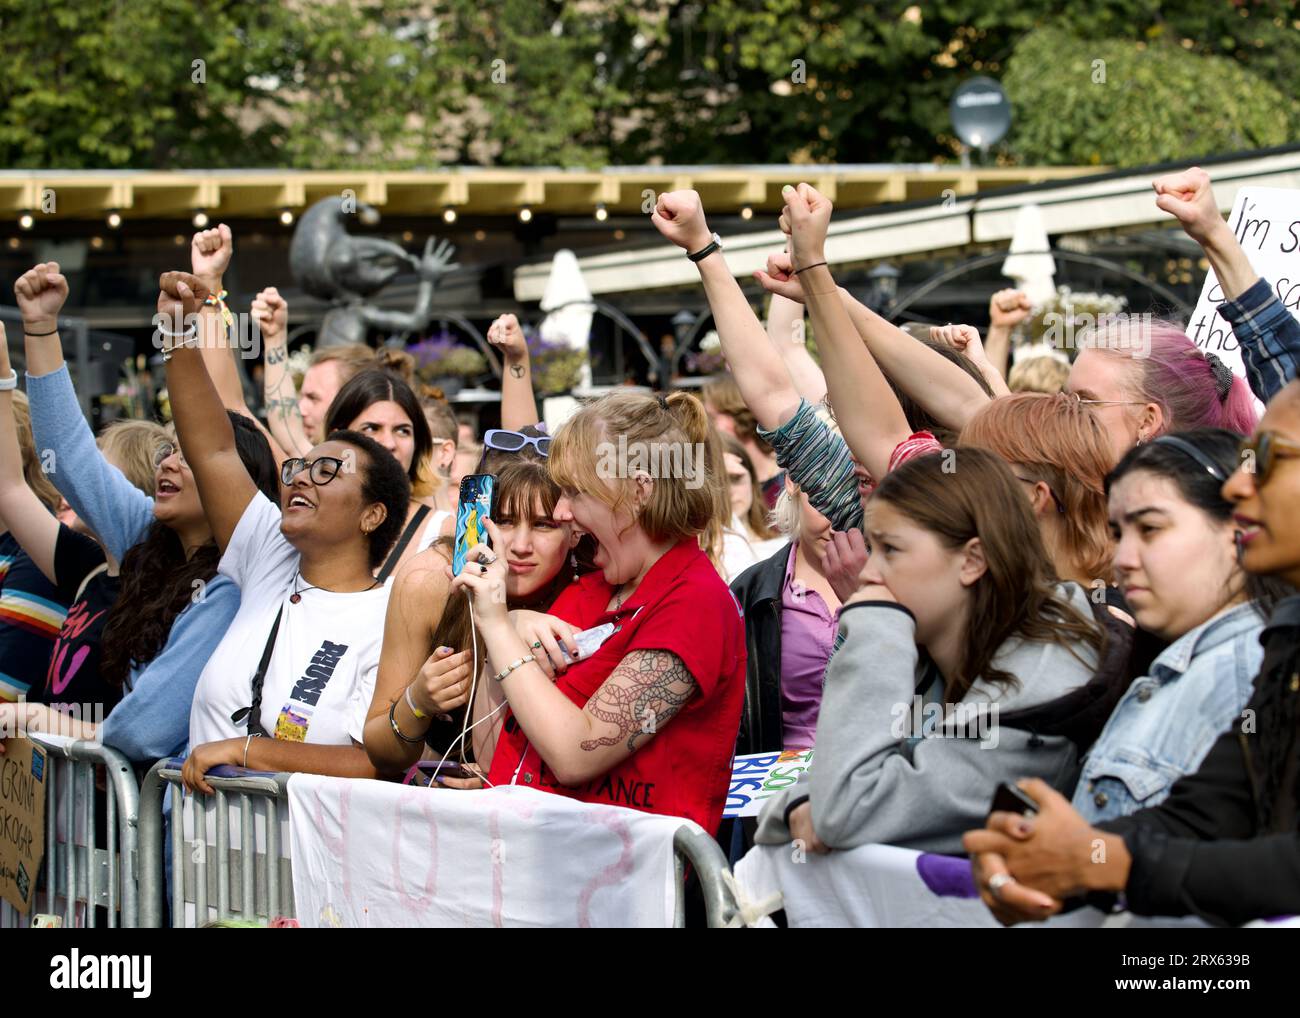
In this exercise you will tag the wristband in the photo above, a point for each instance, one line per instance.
(713, 245)
(28, 332)
(807, 267)
(414, 709)
(500, 676)
(9, 383)
(219, 301)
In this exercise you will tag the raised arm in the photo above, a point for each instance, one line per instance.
(785, 328)
(210, 253)
(518, 404)
(279, 393)
(1007, 309)
(25, 516)
(941, 388)
(853, 378)
(1268, 334)
(205, 432)
(760, 375)
(114, 508)
(1189, 197)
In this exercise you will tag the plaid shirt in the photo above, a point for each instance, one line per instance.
(1269, 336)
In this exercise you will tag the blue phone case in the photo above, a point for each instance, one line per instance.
(475, 506)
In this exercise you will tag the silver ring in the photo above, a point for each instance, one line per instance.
(999, 881)
(486, 557)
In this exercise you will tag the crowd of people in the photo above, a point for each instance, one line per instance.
(1087, 568)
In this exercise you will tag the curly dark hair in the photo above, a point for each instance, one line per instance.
(158, 581)
(384, 481)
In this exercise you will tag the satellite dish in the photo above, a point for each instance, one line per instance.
(980, 112)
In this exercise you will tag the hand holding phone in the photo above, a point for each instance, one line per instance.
(1010, 799)
(477, 493)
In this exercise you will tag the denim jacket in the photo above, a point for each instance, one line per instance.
(1167, 721)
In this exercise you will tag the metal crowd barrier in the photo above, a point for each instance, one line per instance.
(81, 878)
(208, 869)
(201, 871)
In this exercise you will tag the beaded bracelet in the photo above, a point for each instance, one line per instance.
(500, 676)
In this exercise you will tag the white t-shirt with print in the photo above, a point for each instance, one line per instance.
(321, 675)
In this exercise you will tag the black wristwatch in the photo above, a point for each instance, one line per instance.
(714, 245)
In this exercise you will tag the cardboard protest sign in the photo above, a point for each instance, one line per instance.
(1266, 222)
(22, 821)
(756, 777)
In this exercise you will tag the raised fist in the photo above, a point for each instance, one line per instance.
(805, 219)
(41, 292)
(180, 295)
(962, 338)
(1008, 308)
(780, 277)
(679, 216)
(506, 335)
(1189, 197)
(271, 313)
(210, 252)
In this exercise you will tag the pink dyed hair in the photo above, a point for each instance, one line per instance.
(1177, 377)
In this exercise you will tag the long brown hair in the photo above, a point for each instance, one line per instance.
(757, 517)
(960, 494)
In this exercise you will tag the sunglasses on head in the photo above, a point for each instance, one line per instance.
(321, 470)
(1264, 450)
(164, 451)
(514, 441)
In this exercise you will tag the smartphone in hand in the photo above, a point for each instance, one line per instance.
(472, 512)
(1010, 799)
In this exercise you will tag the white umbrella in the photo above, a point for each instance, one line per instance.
(567, 301)
(1028, 262)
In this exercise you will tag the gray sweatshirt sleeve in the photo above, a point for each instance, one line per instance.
(870, 783)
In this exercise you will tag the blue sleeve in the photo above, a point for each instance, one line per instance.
(1269, 336)
(114, 508)
(153, 719)
(819, 461)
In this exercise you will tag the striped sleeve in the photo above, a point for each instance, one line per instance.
(818, 460)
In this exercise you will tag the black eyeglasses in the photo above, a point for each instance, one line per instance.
(513, 441)
(1060, 506)
(1264, 450)
(164, 451)
(321, 470)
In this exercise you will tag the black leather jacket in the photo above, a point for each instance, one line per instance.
(758, 589)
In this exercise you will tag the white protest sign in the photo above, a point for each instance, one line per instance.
(1266, 222)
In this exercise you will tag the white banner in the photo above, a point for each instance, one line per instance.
(375, 853)
(1266, 221)
(884, 886)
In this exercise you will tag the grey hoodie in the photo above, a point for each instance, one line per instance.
(869, 782)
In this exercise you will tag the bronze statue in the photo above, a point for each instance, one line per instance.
(333, 265)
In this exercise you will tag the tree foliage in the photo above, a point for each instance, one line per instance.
(382, 83)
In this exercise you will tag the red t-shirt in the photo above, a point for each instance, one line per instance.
(682, 606)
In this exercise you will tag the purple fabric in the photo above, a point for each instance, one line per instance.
(807, 637)
(946, 875)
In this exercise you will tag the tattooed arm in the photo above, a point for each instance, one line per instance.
(278, 391)
(518, 404)
(643, 693)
